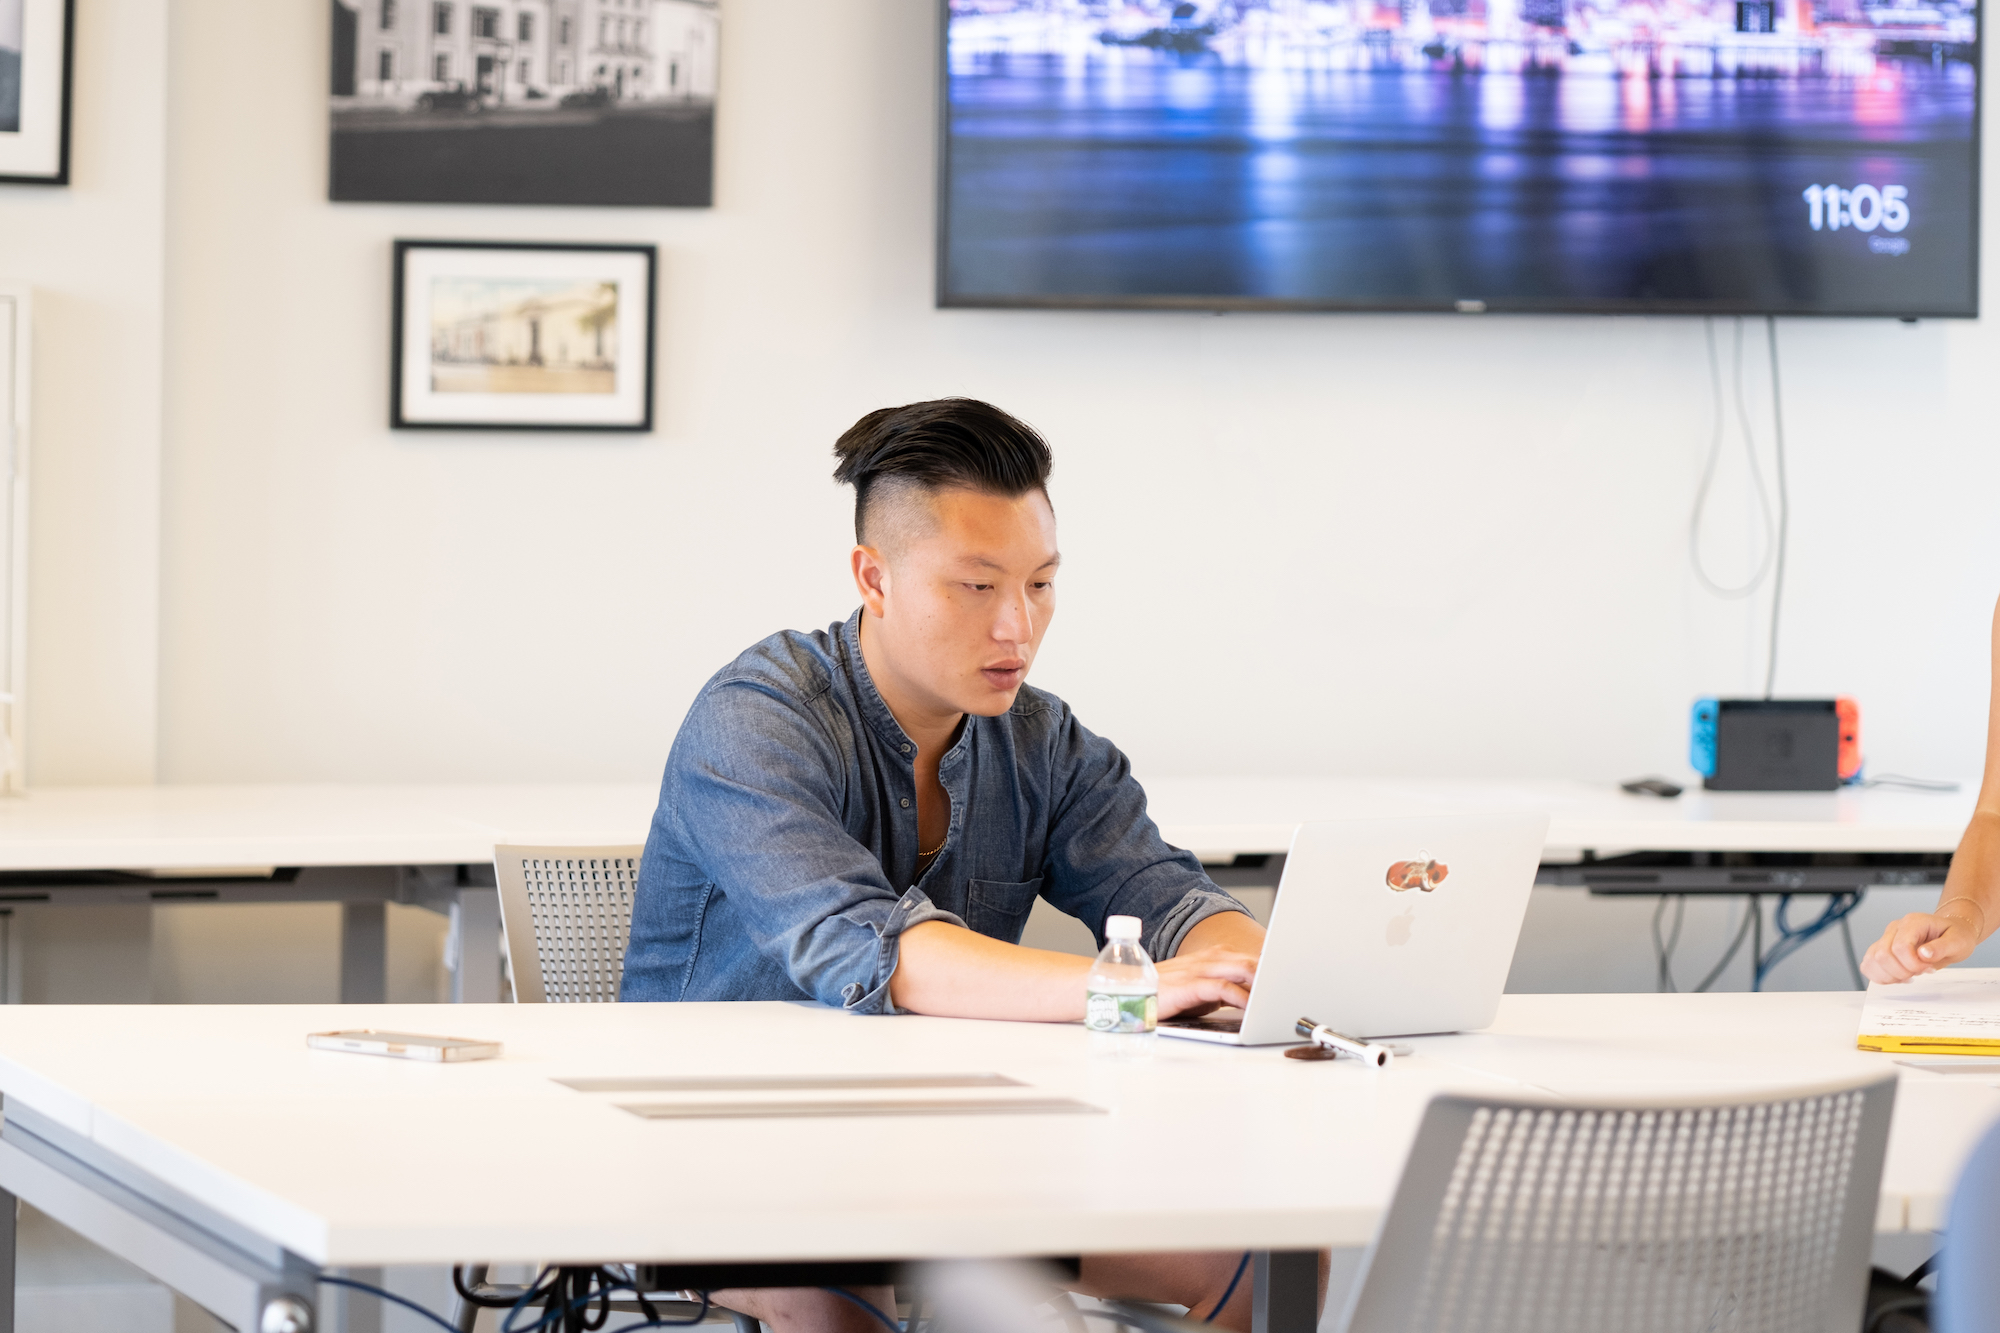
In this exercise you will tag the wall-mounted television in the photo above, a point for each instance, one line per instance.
(1787, 157)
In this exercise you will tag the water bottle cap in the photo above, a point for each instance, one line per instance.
(1123, 928)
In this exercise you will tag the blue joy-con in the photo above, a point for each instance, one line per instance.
(1701, 737)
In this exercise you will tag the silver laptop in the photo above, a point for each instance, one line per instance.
(1388, 927)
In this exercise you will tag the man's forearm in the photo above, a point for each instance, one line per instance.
(952, 972)
(1229, 930)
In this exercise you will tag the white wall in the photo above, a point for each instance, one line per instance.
(1295, 543)
(95, 254)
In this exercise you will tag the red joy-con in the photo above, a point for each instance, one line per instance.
(1849, 714)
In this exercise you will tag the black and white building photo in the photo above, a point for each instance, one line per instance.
(588, 102)
(10, 66)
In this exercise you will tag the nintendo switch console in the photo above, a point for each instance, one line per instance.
(1775, 744)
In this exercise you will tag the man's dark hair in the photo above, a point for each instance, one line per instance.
(944, 443)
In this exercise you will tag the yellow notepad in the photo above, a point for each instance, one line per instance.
(1954, 1012)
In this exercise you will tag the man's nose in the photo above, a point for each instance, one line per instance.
(1016, 621)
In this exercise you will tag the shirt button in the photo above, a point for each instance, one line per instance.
(906, 802)
(906, 749)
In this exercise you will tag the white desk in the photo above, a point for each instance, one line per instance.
(1222, 818)
(245, 827)
(210, 1147)
(360, 846)
(432, 845)
(196, 827)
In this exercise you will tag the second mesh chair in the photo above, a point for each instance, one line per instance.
(566, 913)
(1968, 1299)
(1743, 1214)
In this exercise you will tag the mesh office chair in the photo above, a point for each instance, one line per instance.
(1753, 1214)
(1968, 1292)
(566, 913)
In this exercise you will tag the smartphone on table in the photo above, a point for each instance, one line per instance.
(404, 1045)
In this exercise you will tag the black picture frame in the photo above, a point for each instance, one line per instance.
(523, 102)
(57, 173)
(412, 407)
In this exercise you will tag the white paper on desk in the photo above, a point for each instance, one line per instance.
(1962, 1004)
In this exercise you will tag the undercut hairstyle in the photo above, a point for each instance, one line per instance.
(935, 446)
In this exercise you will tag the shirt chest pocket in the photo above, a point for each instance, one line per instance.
(1000, 911)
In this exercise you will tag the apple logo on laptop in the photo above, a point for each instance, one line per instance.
(1399, 928)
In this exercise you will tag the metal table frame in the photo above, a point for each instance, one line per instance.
(464, 893)
(1752, 876)
(243, 1279)
(257, 1286)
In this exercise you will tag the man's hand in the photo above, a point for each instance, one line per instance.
(1192, 983)
(1924, 942)
(1216, 964)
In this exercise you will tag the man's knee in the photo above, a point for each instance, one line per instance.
(813, 1309)
(1196, 1280)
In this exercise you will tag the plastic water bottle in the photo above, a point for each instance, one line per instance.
(1122, 997)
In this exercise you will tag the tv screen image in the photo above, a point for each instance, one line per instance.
(1704, 156)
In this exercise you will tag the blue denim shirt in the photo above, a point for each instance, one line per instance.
(782, 859)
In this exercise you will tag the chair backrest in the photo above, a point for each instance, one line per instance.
(1968, 1290)
(566, 913)
(1754, 1214)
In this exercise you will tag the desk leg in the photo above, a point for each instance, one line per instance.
(364, 953)
(477, 980)
(1286, 1299)
(359, 1311)
(464, 1314)
(1756, 942)
(10, 1219)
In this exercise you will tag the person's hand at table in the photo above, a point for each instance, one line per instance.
(1925, 941)
(1193, 983)
(1969, 904)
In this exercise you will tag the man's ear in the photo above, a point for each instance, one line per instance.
(871, 579)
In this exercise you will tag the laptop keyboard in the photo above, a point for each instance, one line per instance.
(1205, 1024)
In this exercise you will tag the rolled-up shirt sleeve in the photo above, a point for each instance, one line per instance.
(755, 786)
(1105, 854)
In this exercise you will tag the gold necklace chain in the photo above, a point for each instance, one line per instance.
(922, 854)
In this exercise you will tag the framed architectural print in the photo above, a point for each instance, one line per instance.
(36, 38)
(567, 102)
(502, 335)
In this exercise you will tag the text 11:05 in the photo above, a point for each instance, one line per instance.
(1863, 208)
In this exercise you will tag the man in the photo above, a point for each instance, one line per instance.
(865, 816)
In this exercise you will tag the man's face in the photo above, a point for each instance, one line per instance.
(962, 589)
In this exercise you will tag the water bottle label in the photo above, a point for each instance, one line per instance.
(1121, 1013)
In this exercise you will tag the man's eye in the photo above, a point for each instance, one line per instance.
(980, 587)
